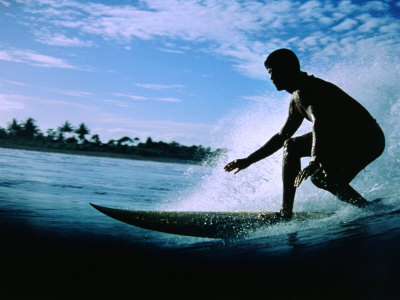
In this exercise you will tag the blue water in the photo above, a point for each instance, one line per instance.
(55, 239)
(50, 193)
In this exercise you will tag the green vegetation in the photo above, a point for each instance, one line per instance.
(68, 138)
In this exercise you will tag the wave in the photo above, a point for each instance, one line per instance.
(370, 76)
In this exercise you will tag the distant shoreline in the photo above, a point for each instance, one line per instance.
(67, 139)
(98, 154)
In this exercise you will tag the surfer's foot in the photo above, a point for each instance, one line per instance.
(360, 202)
(378, 200)
(285, 215)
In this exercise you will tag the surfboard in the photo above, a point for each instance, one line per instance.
(208, 224)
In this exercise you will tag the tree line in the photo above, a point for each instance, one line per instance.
(68, 137)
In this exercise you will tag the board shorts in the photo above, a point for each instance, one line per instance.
(347, 154)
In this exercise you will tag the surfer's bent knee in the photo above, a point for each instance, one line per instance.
(320, 180)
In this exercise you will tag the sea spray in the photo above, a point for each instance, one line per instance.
(371, 77)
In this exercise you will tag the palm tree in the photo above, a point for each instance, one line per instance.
(82, 131)
(29, 128)
(3, 133)
(66, 127)
(71, 140)
(125, 139)
(96, 139)
(149, 142)
(51, 134)
(111, 143)
(14, 129)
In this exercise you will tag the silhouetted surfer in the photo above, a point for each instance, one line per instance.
(344, 140)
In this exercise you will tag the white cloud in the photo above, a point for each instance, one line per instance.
(116, 103)
(376, 5)
(311, 41)
(233, 29)
(16, 83)
(256, 98)
(10, 102)
(309, 10)
(345, 25)
(76, 93)
(392, 28)
(143, 98)
(4, 55)
(175, 51)
(325, 21)
(372, 23)
(5, 3)
(34, 59)
(167, 99)
(58, 39)
(132, 97)
(153, 86)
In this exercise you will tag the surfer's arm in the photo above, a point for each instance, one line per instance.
(292, 123)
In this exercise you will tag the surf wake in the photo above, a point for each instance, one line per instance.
(372, 79)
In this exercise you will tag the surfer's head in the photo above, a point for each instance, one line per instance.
(283, 67)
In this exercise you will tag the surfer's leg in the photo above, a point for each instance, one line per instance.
(345, 165)
(294, 149)
(336, 183)
(347, 194)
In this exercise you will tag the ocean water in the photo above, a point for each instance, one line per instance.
(46, 196)
(50, 193)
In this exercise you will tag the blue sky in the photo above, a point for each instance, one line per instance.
(168, 69)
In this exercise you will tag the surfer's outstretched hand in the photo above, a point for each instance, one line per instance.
(238, 164)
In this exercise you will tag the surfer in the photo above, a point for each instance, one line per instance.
(345, 138)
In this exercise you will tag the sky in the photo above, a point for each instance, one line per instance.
(168, 69)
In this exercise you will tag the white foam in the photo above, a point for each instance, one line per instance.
(372, 78)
